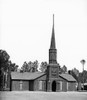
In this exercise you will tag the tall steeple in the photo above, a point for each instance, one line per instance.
(53, 67)
(52, 46)
(52, 50)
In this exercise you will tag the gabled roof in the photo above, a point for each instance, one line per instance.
(26, 75)
(68, 77)
(35, 75)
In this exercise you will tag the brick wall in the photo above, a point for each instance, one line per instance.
(71, 86)
(18, 85)
(15, 86)
(38, 82)
(64, 86)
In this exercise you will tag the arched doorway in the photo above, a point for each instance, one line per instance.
(54, 86)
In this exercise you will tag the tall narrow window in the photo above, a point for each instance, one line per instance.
(21, 83)
(5, 80)
(61, 85)
(40, 85)
(67, 86)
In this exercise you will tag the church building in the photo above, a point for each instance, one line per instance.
(50, 81)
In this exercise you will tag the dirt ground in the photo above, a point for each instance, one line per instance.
(26, 95)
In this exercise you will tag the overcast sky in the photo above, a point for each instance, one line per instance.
(26, 29)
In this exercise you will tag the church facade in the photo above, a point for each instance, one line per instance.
(38, 81)
(49, 81)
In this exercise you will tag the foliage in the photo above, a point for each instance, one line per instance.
(83, 61)
(74, 75)
(43, 66)
(80, 77)
(4, 57)
(83, 76)
(64, 69)
(30, 66)
(13, 66)
(60, 69)
(5, 67)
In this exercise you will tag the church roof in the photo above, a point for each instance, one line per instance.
(35, 75)
(26, 75)
(68, 77)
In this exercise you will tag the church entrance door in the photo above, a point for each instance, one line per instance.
(31, 85)
(54, 86)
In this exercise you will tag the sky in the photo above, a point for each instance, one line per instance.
(26, 29)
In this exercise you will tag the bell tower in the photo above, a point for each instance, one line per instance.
(53, 67)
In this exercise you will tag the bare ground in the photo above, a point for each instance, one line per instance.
(26, 95)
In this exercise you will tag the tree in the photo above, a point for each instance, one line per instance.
(14, 67)
(83, 62)
(73, 74)
(60, 69)
(81, 76)
(78, 76)
(6, 66)
(76, 71)
(43, 66)
(64, 69)
(35, 66)
(25, 67)
(4, 58)
(30, 66)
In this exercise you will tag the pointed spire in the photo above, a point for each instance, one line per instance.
(52, 46)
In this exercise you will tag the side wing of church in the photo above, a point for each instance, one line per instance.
(49, 81)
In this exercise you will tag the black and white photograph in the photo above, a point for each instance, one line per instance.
(43, 49)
